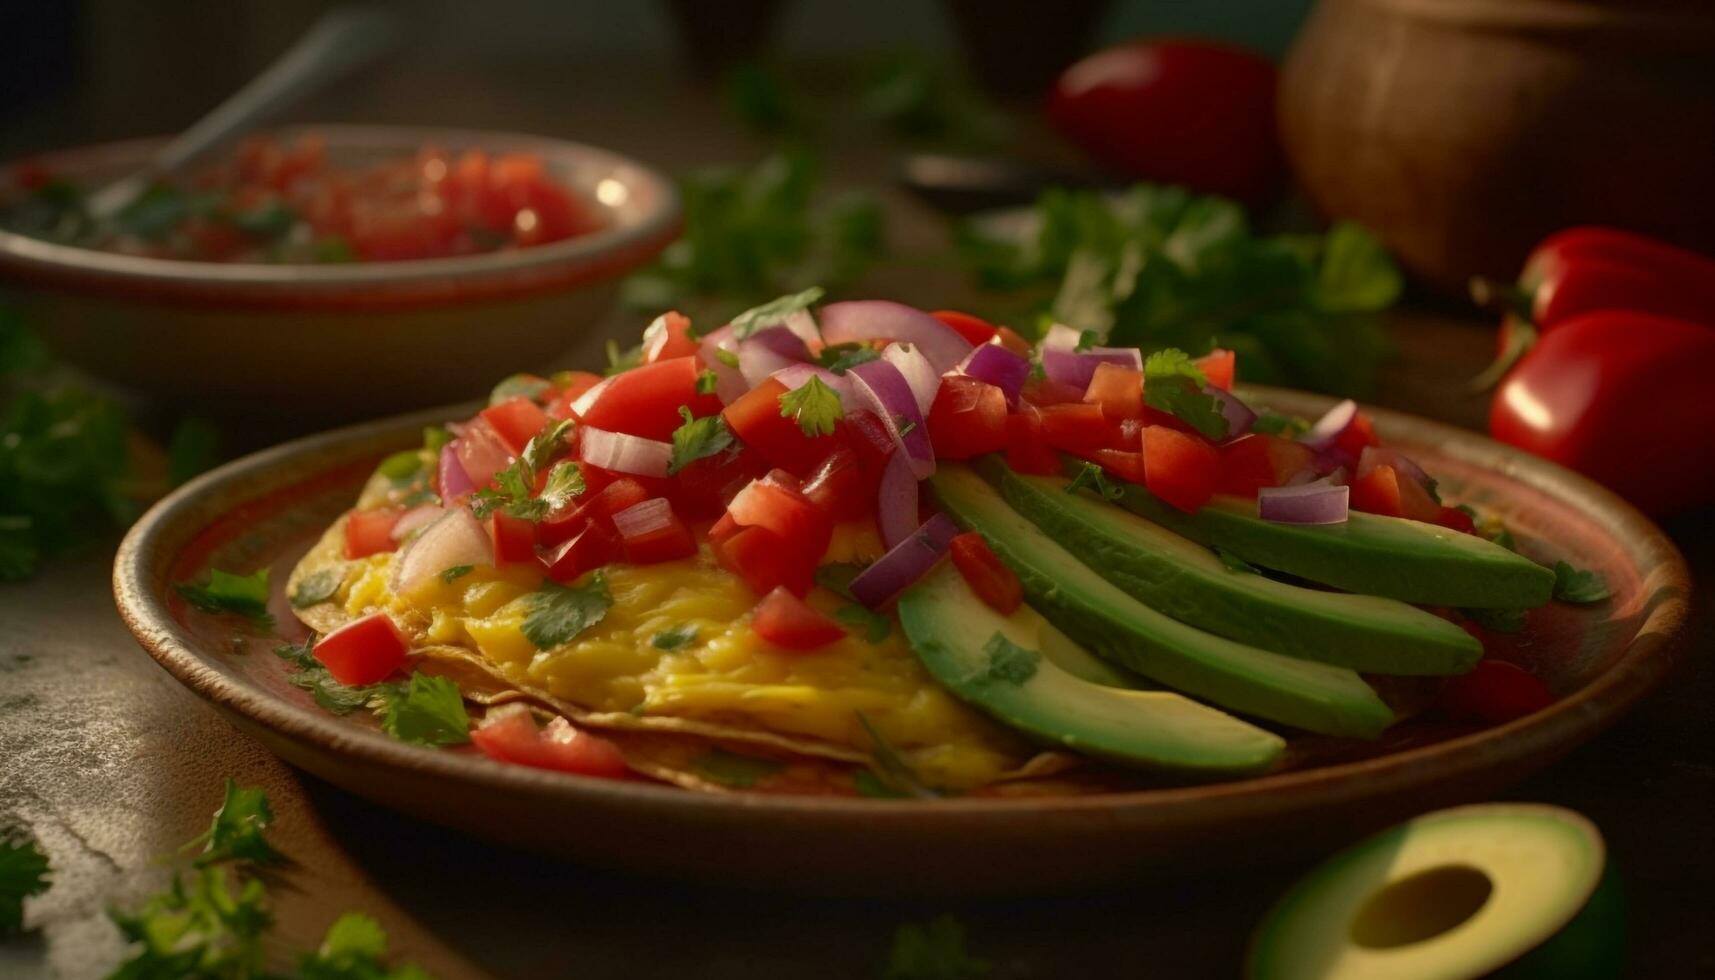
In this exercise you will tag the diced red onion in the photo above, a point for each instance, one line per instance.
(454, 482)
(729, 381)
(917, 371)
(582, 404)
(481, 452)
(905, 562)
(1076, 368)
(623, 453)
(1318, 502)
(416, 519)
(1061, 337)
(456, 538)
(1327, 429)
(793, 376)
(1000, 367)
(643, 518)
(803, 325)
(885, 392)
(1333, 458)
(896, 500)
(1239, 416)
(758, 360)
(876, 319)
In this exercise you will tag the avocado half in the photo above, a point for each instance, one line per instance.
(1455, 894)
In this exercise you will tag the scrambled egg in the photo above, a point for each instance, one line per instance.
(725, 673)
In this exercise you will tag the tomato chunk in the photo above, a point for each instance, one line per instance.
(789, 622)
(1259, 460)
(782, 508)
(1118, 390)
(668, 337)
(974, 329)
(968, 418)
(756, 420)
(589, 547)
(1119, 463)
(1361, 433)
(653, 533)
(568, 387)
(370, 532)
(514, 539)
(516, 421)
(509, 734)
(1180, 468)
(1383, 491)
(1026, 449)
(1042, 392)
(1458, 520)
(1218, 366)
(1080, 428)
(702, 489)
(1495, 692)
(645, 400)
(843, 487)
(482, 452)
(986, 574)
(763, 559)
(364, 651)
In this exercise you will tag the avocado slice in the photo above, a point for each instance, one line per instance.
(1187, 581)
(1456, 893)
(1019, 683)
(1090, 609)
(1368, 554)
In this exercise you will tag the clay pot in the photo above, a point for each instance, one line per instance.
(1462, 131)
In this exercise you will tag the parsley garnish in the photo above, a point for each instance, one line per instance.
(707, 382)
(237, 831)
(934, 950)
(814, 405)
(1092, 478)
(316, 588)
(565, 481)
(840, 358)
(875, 626)
(774, 311)
(558, 613)
(1497, 620)
(23, 872)
(545, 445)
(675, 638)
(904, 425)
(1579, 586)
(243, 595)
(732, 769)
(427, 710)
(696, 439)
(1009, 663)
(1173, 383)
(453, 574)
(330, 695)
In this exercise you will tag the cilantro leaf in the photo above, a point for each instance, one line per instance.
(619, 361)
(435, 438)
(427, 711)
(774, 311)
(727, 357)
(23, 872)
(1008, 662)
(1092, 478)
(202, 929)
(1579, 586)
(1355, 274)
(518, 386)
(840, 358)
(237, 833)
(875, 626)
(889, 767)
(815, 407)
(675, 638)
(934, 950)
(696, 439)
(1174, 384)
(1497, 620)
(243, 595)
(353, 947)
(456, 572)
(558, 613)
(732, 769)
(707, 382)
(837, 577)
(545, 445)
(330, 695)
(1275, 424)
(316, 588)
(402, 466)
(565, 481)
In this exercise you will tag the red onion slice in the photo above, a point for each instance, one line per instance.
(623, 453)
(643, 518)
(758, 361)
(917, 371)
(885, 392)
(1240, 417)
(896, 501)
(1319, 502)
(794, 376)
(995, 365)
(729, 381)
(1076, 368)
(416, 519)
(1374, 456)
(453, 481)
(876, 319)
(456, 538)
(1328, 428)
(905, 562)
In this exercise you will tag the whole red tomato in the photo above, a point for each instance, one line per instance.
(1196, 113)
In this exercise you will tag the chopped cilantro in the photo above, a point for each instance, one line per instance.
(675, 638)
(707, 381)
(732, 769)
(904, 425)
(435, 438)
(1093, 479)
(565, 481)
(620, 361)
(875, 626)
(934, 950)
(1234, 562)
(1579, 586)
(402, 467)
(237, 831)
(726, 357)
(1173, 383)
(428, 710)
(814, 405)
(1008, 662)
(23, 872)
(518, 386)
(330, 695)
(696, 439)
(1275, 424)
(1497, 620)
(774, 311)
(889, 767)
(1086, 340)
(837, 577)
(545, 445)
(316, 588)
(453, 574)
(558, 613)
(243, 595)
(840, 358)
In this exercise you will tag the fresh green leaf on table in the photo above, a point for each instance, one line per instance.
(933, 950)
(239, 828)
(426, 710)
(23, 873)
(224, 592)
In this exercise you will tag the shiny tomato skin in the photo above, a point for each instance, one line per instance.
(516, 421)
(669, 542)
(1042, 393)
(589, 546)
(986, 574)
(1259, 460)
(482, 452)
(788, 622)
(364, 651)
(1377, 492)
(1358, 436)
(1199, 114)
(867, 435)
(1118, 390)
(756, 420)
(1027, 451)
(1080, 428)
(972, 328)
(763, 560)
(843, 487)
(673, 339)
(1219, 366)
(645, 400)
(705, 486)
(1457, 520)
(514, 539)
(370, 532)
(1180, 468)
(787, 512)
(968, 418)
(1495, 692)
(509, 734)
(1616, 396)
(568, 386)
(1120, 463)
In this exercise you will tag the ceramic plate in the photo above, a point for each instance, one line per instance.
(266, 509)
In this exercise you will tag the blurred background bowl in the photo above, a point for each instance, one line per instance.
(338, 341)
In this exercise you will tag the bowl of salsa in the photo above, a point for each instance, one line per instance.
(328, 269)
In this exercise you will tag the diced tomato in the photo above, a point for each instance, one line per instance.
(1356, 436)
(1259, 460)
(645, 400)
(589, 547)
(482, 452)
(509, 734)
(1456, 519)
(783, 509)
(370, 532)
(568, 387)
(1026, 449)
(1495, 692)
(1120, 463)
(514, 539)
(974, 329)
(598, 507)
(1383, 491)
(867, 434)
(986, 574)
(671, 339)
(516, 421)
(1042, 392)
(763, 559)
(1118, 390)
(364, 651)
(789, 622)
(756, 420)
(653, 533)
(1012, 341)
(1180, 468)
(1080, 428)
(703, 488)
(842, 486)
(1218, 366)
(967, 419)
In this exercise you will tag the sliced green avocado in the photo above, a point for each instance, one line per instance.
(1014, 679)
(1367, 554)
(1187, 581)
(1090, 609)
(1453, 894)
